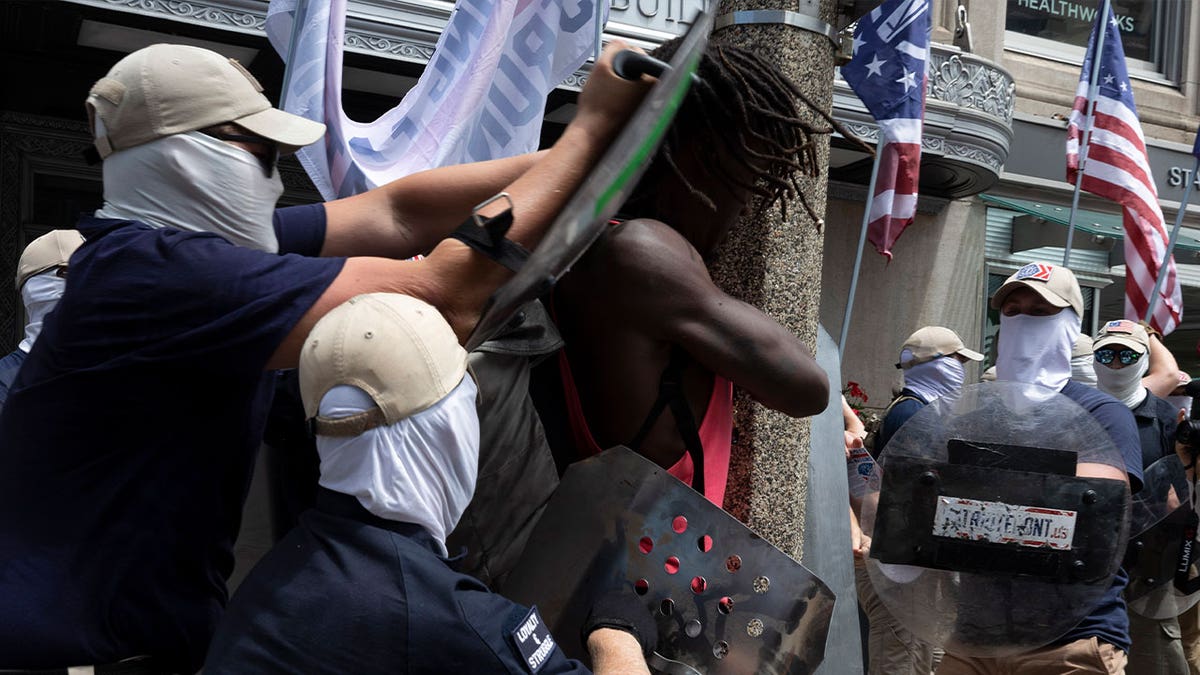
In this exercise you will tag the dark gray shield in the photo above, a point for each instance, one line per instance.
(726, 601)
(605, 189)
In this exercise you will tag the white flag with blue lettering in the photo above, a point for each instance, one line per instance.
(482, 95)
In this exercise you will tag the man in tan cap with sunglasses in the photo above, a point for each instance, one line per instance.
(190, 289)
(386, 387)
(41, 277)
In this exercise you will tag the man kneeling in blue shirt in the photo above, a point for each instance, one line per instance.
(363, 585)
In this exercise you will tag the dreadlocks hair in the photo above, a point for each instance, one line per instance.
(744, 104)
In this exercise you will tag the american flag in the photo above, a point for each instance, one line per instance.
(891, 49)
(1116, 167)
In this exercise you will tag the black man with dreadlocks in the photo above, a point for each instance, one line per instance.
(653, 347)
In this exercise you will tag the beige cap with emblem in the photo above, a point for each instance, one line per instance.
(397, 349)
(50, 250)
(1055, 283)
(1125, 333)
(163, 89)
(933, 342)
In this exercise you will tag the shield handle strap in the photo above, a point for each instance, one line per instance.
(486, 235)
(670, 392)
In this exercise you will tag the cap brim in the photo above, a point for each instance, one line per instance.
(1048, 295)
(291, 132)
(970, 354)
(1122, 340)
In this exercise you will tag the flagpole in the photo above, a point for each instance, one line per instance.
(1093, 92)
(297, 25)
(862, 243)
(1162, 270)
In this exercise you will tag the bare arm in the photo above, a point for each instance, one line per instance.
(1162, 377)
(615, 652)
(727, 336)
(411, 215)
(458, 280)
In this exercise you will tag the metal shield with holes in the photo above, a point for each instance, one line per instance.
(998, 518)
(726, 601)
(604, 190)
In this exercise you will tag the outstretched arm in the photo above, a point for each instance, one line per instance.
(411, 215)
(458, 280)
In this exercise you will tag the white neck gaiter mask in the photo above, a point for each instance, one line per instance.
(1124, 384)
(933, 379)
(1037, 349)
(1181, 402)
(420, 470)
(196, 183)
(40, 295)
(1083, 370)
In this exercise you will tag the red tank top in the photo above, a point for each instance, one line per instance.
(716, 433)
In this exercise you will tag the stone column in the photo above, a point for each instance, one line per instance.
(774, 263)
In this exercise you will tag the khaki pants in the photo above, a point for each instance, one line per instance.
(1075, 658)
(1157, 649)
(891, 648)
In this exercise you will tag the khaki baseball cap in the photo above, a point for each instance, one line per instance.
(50, 250)
(932, 342)
(163, 89)
(1055, 283)
(397, 349)
(1125, 333)
(1083, 346)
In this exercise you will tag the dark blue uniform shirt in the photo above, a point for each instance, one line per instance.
(129, 436)
(349, 592)
(9, 366)
(906, 405)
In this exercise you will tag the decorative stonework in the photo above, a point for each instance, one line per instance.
(975, 154)
(200, 12)
(377, 45)
(971, 82)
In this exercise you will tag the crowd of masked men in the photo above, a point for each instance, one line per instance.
(173, 329)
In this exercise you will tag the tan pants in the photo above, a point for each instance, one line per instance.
(1075, 658)
(891, 649)
(1157, 649)
(1189, 628)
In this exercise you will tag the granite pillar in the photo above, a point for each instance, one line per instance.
(774, 262)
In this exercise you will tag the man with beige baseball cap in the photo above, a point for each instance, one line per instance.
(1040, 309)
(386, 386)
(192, 287)
(41, 277)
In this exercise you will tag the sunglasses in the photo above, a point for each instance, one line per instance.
(268, 160)
(1105, 356)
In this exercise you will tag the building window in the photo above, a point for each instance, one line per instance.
(991, 321)
(1152, 32)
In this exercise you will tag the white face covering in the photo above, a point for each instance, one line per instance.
(1124, 384)
(1037, 349)
(197, 183)
(1083, 370)
(1181, 402)
(420, 470)
(40, 295)
(933, 379)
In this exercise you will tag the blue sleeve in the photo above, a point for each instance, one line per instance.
(896, 417)
(300, 229)
(1122, 428)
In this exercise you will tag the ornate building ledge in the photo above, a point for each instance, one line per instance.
(968, 124)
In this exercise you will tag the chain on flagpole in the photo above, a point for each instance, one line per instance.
(1093, 93)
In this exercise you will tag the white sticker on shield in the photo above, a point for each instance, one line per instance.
(1000, 523)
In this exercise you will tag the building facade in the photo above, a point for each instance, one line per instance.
(1001, 82)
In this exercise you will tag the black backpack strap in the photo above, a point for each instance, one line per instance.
(670, 393)
(487, 237)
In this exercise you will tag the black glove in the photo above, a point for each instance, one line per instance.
(623, 610)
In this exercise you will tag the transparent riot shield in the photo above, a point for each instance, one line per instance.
(1162, 512)
(726, 601)
(998, 519)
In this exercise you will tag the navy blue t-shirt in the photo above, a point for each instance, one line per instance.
(129, 437)
(1109, 621)
(9, 367)
(906, 405)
